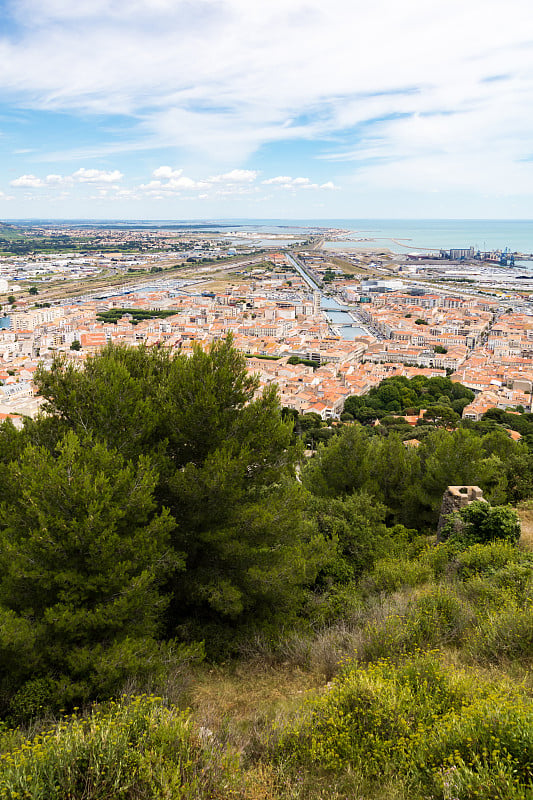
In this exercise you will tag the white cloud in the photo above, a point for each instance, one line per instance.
(235, 176)
(97, 175)
(33, 182)
(126, 194)
(183, 182)
(166, 172)
(27, 182)
(280, 180)
(170, 181)
(57, 180)
(286, 182)
(81, 175)
(175, 184)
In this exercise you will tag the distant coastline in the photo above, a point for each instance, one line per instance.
(396, 235)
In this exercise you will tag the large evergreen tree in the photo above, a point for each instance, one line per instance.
(83, 554)
(226, 462)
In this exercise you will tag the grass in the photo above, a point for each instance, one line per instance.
(397, 719)
(239, 703)
(525, 512)
(349, 267)
(247, 689)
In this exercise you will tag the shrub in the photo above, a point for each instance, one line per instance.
(504, 635)
(438, 616)
(135, 749)
(480, 522)
(490, 740)
(438, 557)
(494, 781)
(383, 639)
(370, 715)
(448, 733)
(484, 594)
(331, 648)
(390, 574)
(495, 576)
(363, 722)
(481, 558)
(517, 578)
(135, 666)
(338, 603)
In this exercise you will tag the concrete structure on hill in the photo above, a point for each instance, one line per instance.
(454, 499)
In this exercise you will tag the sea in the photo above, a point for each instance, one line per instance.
(402, 236)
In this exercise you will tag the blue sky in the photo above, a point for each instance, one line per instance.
(288, 108)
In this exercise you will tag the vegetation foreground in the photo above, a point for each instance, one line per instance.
(184, 614)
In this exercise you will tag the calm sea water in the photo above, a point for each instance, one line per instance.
(403, 236)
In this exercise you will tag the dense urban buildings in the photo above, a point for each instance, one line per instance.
(280, 316)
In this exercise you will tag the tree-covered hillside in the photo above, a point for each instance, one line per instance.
(162, 529)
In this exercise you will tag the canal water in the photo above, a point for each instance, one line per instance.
(341, 319)
(332, 308)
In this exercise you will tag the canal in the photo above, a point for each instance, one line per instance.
(333, 310)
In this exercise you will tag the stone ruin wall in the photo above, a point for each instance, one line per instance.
(454, 499)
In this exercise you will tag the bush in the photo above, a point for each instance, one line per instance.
(135, 749)
(495, 576)
(436, 617)
(516, 577)
(482, 558)
(438, 557)
(383, 639)
(491, 741)
(331, 648)
(484, 594)
(390, 574)
(362, 722)
(504, 635)
(341, 602)
(480, 522)
(494, 781)
(435, 727)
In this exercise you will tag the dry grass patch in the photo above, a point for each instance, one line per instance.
(241, 699)
(525, 512)
(217, 285)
